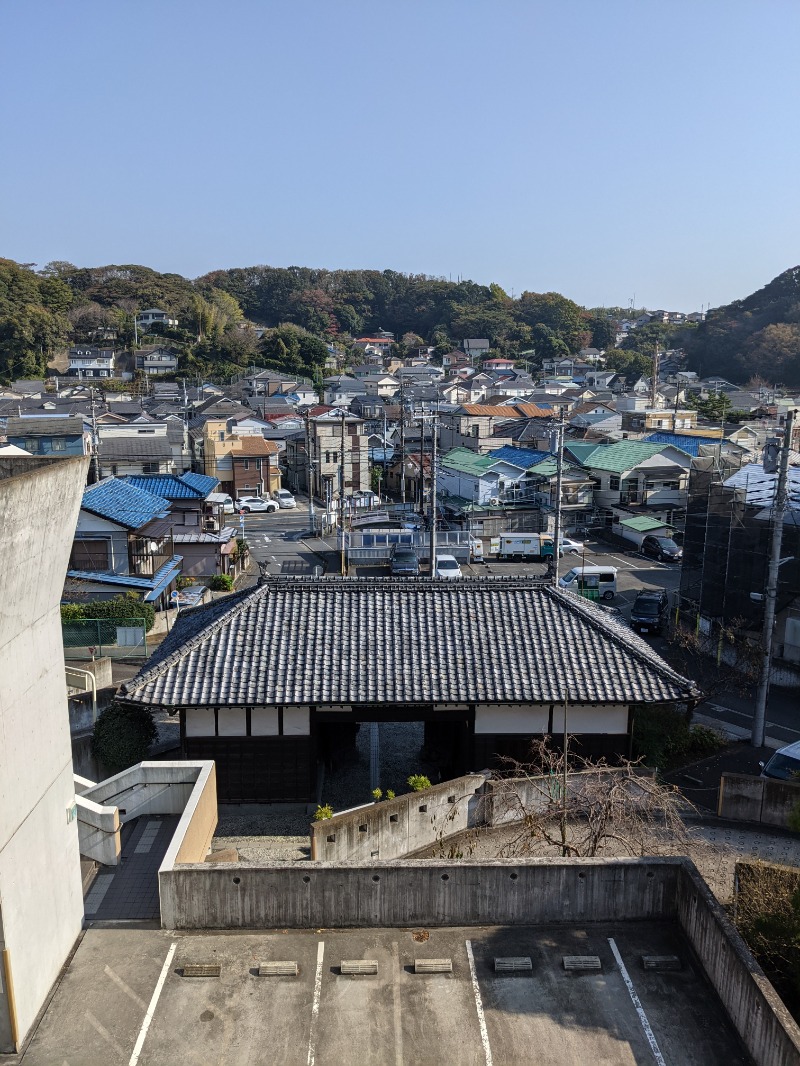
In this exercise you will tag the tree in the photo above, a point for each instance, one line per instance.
(122, 736)
(603, 332)
(595, 809)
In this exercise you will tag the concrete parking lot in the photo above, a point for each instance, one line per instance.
(126, 999)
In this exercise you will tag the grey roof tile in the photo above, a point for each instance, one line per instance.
(368, 640)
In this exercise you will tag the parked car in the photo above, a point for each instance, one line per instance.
(255, 503)
(649, 612)
(284, 498)
(662, 548)
(784, 764)
(571, 547)
(404, 562)
(447, 567)
(228, 506)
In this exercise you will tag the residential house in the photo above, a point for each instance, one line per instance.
(635, 474)
(145, 320)
(476, 348)
(122, 543)
(454, 360)
(385, 385)
(339, 457)
(201, 532)
(89, 362)
(156, 360)
(654, 418)
(382, 344)
(222, 438)
(255, 466)
(340, 391)
(135, 448)
(56, 435)
(480, 427)
(417, 477)
(498, 363)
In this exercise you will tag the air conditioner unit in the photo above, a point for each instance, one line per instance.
(495, 501)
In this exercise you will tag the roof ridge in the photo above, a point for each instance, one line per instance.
(228, 611)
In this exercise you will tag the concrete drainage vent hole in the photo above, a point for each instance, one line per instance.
(278, 969)
(201, 969)
(513, 964)
(582, 963)
(433, 965)
(354, 967)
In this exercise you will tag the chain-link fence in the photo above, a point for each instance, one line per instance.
(116, 637)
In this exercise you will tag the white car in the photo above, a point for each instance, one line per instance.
(447, 567)
(284, 498)
(572, 547)
(255, 504)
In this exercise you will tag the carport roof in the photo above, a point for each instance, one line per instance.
(339, 641)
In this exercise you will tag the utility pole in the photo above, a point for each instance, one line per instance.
(95, 456)
(341, 491)
(385, 461)
(310, 475)
(771, 590)
(559, 479)
(433, 497)
(654, 379)
(402, 445)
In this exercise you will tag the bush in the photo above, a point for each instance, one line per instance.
(322, 812)
(122, 736)
(221, 583)
(418, 782)
(183, 583)
(121, 607)
(663, 737)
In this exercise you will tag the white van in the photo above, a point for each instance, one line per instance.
(284, 498)
(784, 764)
(606, 579)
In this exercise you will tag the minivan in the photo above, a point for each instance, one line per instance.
(606, 575)
(784, 764)
(284, 498)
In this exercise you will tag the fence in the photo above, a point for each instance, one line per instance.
(85, 638)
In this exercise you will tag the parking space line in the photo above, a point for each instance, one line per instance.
(101, 1029)
(137, 1050)
(476, 991)
(125, 988)
(312, 1036)
(648, 1032)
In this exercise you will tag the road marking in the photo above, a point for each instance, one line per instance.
(312, 1036)
(125, 988)
(648, 1032)
(101, 1029)
(476, 991)
(398, 1024)
(137, 1050)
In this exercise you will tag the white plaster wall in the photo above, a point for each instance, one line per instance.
(40, 880)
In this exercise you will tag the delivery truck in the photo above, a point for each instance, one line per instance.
(522, 546)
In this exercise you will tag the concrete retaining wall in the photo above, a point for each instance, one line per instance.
(509, 799)
(765, 1026)
(757, 799)
(394, 828)
(416, 892)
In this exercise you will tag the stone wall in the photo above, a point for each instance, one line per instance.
(745, 798)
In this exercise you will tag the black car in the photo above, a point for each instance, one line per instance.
(662, 548)
(649, 611)
(405, 562)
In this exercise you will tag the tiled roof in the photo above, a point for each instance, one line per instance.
(135, 448)
(534, 410)
(33, 426)
(759, 488)
(484, 411)
(339, 641)
(687, 443)
(255, 446)
(174, 486)
(152, 587)
(467, 461)
(616, 458)
(123, 503)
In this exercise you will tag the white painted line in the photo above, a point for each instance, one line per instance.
(398, 1022)
(648, 1032)
(312, 1036)
(137, 1050)
(476, 991)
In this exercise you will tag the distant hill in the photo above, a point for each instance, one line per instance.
(758, 336)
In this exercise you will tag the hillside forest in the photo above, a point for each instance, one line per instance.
(302, 311)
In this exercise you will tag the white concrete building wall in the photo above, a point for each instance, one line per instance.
(40, 880)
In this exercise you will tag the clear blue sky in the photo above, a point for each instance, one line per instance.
(599, 148)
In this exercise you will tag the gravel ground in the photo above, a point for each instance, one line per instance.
(278, 832)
